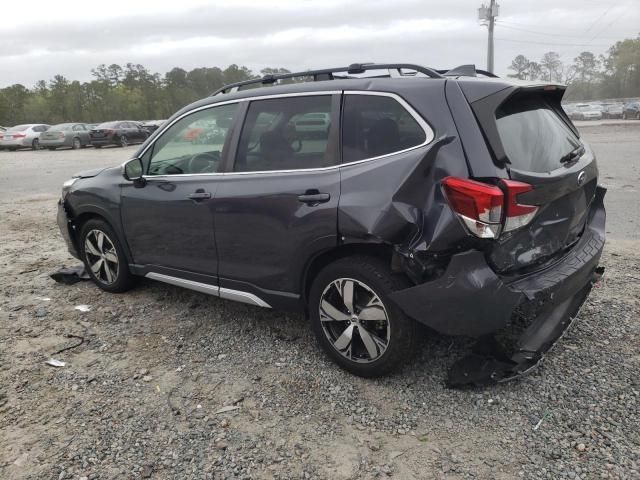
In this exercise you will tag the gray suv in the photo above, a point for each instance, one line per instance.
(465, 203)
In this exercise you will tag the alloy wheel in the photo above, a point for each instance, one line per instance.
(354, 320)
(101, 256)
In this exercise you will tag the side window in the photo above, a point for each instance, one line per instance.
(286, 134)
(78, 128)
(375, 125)
(40, 128)
(194, 144)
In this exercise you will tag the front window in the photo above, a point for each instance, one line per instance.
(193, 144)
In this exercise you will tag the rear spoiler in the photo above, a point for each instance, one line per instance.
(485, 109)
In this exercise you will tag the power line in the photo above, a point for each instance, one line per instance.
(537, 32)
(601, 16)
(553, 43)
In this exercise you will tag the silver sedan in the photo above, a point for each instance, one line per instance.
(74, 135)
(23, 136)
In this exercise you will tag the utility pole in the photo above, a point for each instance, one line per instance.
(487, 16)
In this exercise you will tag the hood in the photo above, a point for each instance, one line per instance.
(89, 173)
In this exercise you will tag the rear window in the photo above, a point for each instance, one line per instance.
(533, 135)
(18, 128)
(61, 127)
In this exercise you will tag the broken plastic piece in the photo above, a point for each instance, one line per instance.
(55, 363)
(70, 275)
(83, 308)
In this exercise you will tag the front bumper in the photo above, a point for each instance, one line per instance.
(66, 229)
(470, 299)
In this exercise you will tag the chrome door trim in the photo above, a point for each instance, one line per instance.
(243, 297)
(181, 282)
(429, 133)
(227, 293)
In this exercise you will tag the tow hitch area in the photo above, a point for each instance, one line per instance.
(502, 357)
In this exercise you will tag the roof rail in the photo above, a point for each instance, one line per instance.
(327, 74)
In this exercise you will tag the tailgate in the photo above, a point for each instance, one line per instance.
(535, 141)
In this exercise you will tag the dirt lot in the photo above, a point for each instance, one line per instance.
(140, 396)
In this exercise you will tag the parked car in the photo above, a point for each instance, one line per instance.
(585, 111)
(120, 133)
(74, 135)
(2, 130)
(152, 125)
(631, 111)
(23, 136)
(612, 110)
(463, 203)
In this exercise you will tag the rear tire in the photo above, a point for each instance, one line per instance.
(123, 141)
(367, 347)
(638, 116)
(51, 148)
(98, 146)
(76, 144)
(104, 257)
(35, 145)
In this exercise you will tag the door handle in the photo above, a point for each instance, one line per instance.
(314, 197)
(199, 195)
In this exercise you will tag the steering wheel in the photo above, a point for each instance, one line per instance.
(206, 162)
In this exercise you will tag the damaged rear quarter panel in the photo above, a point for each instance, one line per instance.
(397, 199)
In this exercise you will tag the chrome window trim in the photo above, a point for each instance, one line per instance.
(226, 293)
(429, 133)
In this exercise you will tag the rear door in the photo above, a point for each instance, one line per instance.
(540, 147)
(277, 206)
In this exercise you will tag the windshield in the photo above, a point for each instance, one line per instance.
(533, 135)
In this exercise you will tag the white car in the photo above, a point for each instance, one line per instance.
(23, 136)
(585, 111)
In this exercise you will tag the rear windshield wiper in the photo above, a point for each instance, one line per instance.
(572, 155)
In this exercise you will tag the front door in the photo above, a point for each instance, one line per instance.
(279, 204)
(169, 221)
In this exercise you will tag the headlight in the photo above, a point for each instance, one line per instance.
(66, 187)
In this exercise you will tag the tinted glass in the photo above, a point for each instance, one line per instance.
(193, 144)
(375, 125)
(286, 134)
(533, 135)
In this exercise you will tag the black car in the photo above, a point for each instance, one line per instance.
(631, 111)
(152, 125)
(120, 133)
(466, 204)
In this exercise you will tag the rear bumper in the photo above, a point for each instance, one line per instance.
(66, 229)
(470, 299)
(23, 142)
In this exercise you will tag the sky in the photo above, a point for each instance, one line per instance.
(69, 37)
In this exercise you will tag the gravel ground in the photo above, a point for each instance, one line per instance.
(168, 383)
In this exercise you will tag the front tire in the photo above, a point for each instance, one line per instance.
(354, 320)
(104, 257)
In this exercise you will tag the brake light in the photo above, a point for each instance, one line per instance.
(488, 210)
(19, 135)
(479, 205)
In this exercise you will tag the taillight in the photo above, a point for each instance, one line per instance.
(517, 215)
(488, 210)
(479, 205)
(19, 135)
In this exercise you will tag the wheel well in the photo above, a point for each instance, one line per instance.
(80, 220)
(381, 251)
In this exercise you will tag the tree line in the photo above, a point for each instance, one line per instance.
(131, 92)
(615, 74)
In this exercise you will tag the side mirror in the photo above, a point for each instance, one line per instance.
(132, 171)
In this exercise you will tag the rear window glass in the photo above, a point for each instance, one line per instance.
(533, 135)
(375, 125)
(18, 128)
